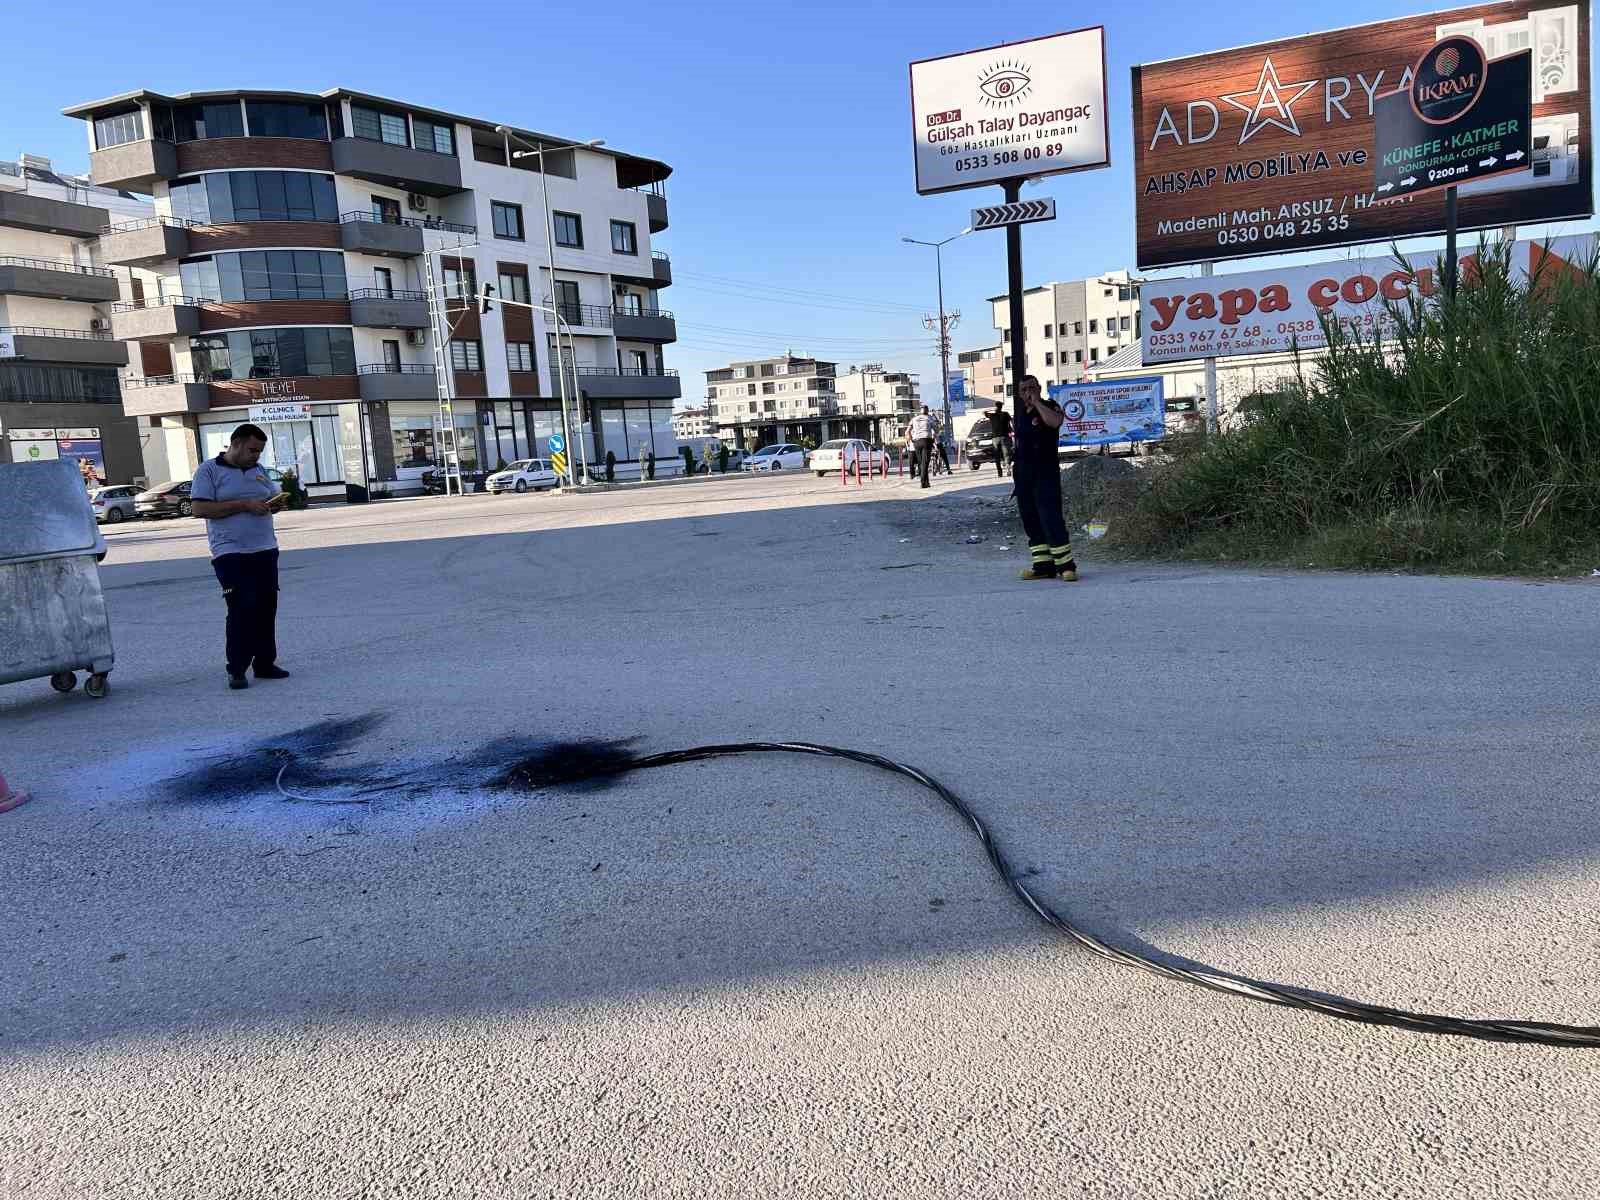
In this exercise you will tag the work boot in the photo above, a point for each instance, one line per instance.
(237, 682)
(271, 672)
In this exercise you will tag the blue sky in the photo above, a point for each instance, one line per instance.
(787, 127)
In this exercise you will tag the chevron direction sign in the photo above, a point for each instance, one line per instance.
(1020, 213)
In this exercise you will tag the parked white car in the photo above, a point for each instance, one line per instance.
(853, 453)
(528, 474)
(785, 456)
(113, 504)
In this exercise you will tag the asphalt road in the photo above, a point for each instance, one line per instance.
(789, 977)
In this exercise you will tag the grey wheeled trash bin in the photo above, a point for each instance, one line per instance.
(52, 611)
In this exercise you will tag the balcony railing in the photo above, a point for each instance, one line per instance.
(45, 264)
(123, 306)
(10, 168)
(386, 294)
(424, 223)
(93, 335)
(662, 255)
(395, 369)
(150, 223)
(144, 381)
(603, 315)
(635, 372)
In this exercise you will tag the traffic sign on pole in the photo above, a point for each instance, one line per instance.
(1021, 213)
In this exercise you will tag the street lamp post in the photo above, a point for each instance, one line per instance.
(944, 329)
(537, 151)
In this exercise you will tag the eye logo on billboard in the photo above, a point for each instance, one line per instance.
(1449, 80)
(1005, 83)
(1269, 96)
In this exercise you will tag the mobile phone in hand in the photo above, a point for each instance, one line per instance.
(278, 501)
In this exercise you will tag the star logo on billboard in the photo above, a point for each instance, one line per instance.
(1270, 103)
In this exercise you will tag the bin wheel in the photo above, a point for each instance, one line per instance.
(63, 681)
(97, 686)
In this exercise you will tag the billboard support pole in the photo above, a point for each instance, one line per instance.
(1013, 189)
(1207, 269)
(1450, 242)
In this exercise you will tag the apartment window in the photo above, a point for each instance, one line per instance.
(466, 354)
(1008, 362)
(430, 135)
(1124, 293)
(767, 389)
(1077, 356)
(226, 197)
(197, 122)
(386, 210)
(383, 280)
(1108, 293)
(23, 381)
(272, 118)
(1077, 328)
(569, 229)
(507, 219)
(265, 275)
(513, 286)
(519, 356)
(624, 238)
(378, 126)
(460, 280)
(1005, 335)
(1008, 389)
(1125, 324)
(118, 130)
(1094, 354)
(567, 299)
(1049, 359)
(1047, 331)
(1094, 325)
(996, 371)
(268, 353)
(750, 390)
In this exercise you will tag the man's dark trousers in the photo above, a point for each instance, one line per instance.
(1002, 456)
(1038, 491)
(250, 586)
(924, 454)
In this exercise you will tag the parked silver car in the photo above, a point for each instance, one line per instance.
(113, 505)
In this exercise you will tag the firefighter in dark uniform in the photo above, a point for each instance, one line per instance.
(1036, 476)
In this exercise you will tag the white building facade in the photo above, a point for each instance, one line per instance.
(1070, 327)
(59, 363)
(295, 238)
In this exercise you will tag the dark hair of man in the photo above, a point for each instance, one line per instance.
(247, 432)
(1033, 379)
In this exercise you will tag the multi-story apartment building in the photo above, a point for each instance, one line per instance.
(1069, 327)
(692, 422)
(768, 400)
(294, 240)
(873, 403)
(985, 376)
(59, 362)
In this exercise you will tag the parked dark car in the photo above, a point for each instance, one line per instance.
(980, 447)
(170, 499)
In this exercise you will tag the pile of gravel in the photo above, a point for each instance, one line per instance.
(1085, 481)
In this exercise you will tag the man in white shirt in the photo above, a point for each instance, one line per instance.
(921, 434)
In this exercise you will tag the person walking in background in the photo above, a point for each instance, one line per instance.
(1037, 485)
(1000, 427)
(237, 500)
(921, 433)
(938, 443)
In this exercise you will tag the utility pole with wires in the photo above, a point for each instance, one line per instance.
(443, 329)
(945, 323)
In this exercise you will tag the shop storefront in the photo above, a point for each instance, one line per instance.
(315, 441)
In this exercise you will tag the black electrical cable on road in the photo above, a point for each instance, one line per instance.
(579, 764)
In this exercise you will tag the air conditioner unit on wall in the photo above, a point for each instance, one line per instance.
(99, 323)
(417, 201)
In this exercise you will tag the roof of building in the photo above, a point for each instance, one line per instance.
(37, 174)
(1130, 356)
(122, 101)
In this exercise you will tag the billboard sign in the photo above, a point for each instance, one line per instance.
(1464, 117)
(1282, 309)
(1017, 110)
(1269, 148)
(1123, 410)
